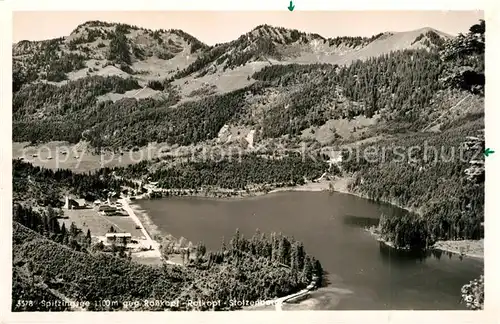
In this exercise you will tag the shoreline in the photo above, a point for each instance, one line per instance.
(469, 248)
(465, 248)
(153, 228)
(341, 185)
(154, 244)
(337, 184)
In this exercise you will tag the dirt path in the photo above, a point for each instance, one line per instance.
(279, 302)
(433, 123)
(154, 245)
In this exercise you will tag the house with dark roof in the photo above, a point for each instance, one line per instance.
(71, 204)
(118, 238)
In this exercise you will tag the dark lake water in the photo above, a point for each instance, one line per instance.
(363, 274)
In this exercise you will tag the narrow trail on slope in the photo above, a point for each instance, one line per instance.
(135, 94)
(433, 123)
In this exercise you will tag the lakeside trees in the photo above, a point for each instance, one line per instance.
(262, 266)
(399, 86)
(240, 173)
(431, 181)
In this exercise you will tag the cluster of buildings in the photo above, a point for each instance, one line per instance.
(109, 207)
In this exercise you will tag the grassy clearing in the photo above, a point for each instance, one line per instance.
(98, 224)
(78, 157)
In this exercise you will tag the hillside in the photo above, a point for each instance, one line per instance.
(80, 87)
(173, 54)
(106, 49)
(401, 86)
(275, 45)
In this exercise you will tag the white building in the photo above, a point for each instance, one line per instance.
(118, 238)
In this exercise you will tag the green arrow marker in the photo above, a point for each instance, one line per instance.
(291, 6)
(488, 151)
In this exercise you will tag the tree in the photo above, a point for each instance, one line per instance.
(223, 245)
(73, 230)
(124, 242)
(234, 244)
(308, 269)
(45, 220)
(114, 248)
(99, 246)
(201, 250)
(88, 237)
(478, 28)
(464, 60)
(318, 271)
(18, 79)
(64, 232)
(119, 50)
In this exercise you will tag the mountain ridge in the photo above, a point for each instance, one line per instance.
(264, 43)
(130, 72)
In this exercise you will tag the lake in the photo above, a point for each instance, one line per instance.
(363, 274)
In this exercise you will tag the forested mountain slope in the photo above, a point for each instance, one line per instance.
(426, 172)
(103, 84)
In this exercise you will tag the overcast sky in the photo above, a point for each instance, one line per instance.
(216, 27)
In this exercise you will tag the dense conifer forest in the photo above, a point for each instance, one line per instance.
(234, 172)
(52, 261)
(426, 171)
(400, 86)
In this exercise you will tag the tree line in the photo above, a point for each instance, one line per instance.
(235, 172)
(46, 187)
(46, 223)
